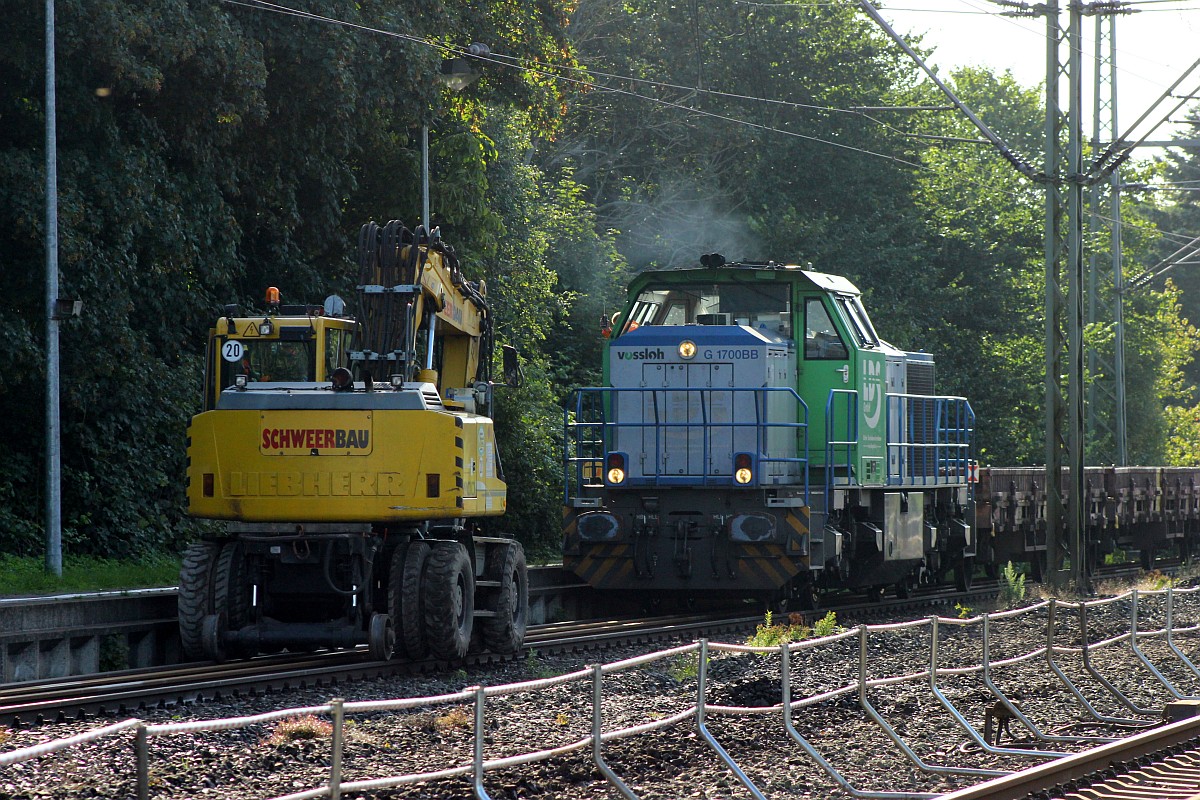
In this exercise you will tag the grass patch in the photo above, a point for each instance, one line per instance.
(771, 634)
(458, 718)
(535, 668)
(21, 576)
(296, 728)
(684, 667)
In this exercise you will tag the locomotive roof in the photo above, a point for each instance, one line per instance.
(737, 271)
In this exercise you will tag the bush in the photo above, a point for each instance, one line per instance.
(769, 634)
(1012, 585)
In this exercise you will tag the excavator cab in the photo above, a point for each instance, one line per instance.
(288, 344)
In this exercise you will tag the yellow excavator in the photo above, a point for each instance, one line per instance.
(353, 459)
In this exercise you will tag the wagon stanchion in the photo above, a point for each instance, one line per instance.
(814, 754)
(701, 687)
(1120, 696)
(598, 740)
(878, 719)
(961, 720)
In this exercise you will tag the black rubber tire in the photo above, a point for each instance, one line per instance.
(195, 596)
(505, 632)
(449, 601)
(406, 598)
(381, 570)
(231, 592)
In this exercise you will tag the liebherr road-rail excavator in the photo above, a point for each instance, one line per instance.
(353, 460)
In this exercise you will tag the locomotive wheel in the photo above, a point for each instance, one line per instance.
(381, 637)
(505, 632)
(804, 594)
(231, 592)
(964, 573)
(406, 598)
(195, 598)
(449, 600)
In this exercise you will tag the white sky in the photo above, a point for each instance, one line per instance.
(1155, 46)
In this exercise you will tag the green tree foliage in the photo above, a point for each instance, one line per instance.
(979, 298)
(731, 135)
(206, 150)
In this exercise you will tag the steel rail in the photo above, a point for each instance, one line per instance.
(1033, 781)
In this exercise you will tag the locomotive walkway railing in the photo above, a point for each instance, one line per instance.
(477, 767)
(928, 439)
(769, 422)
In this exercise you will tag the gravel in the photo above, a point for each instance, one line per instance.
(673, 762)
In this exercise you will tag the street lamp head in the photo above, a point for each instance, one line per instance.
(456, 73)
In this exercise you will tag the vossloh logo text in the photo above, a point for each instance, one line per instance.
(645, 354)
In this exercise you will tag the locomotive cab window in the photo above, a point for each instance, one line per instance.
(763, 308)
(859, 321)
(821, 338)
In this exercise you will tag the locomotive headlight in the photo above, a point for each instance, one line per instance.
(743, 469)
(615, 468)
(687, 349)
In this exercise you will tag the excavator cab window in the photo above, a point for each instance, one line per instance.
(286, 361)
(337, 348)
(262, 360)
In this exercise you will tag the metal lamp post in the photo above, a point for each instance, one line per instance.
(455, 74)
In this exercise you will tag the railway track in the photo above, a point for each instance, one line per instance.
(118, 693)
(1160, 763)
(121, 693)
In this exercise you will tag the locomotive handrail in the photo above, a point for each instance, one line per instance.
(849, 442)
(592, 426)
(933, 446)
